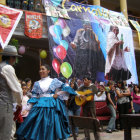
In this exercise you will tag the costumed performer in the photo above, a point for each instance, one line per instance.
(47, 119)
(116, 68)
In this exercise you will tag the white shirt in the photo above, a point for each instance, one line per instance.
(45, 83)
(8, 73)
(101, 98)
(24, 104)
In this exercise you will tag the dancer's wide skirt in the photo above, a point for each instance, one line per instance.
(47, 120)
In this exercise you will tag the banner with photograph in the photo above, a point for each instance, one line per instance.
(9, 19)
(90, 40)
(33, 24)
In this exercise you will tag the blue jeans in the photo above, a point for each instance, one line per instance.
(112, 122)
(76, 113)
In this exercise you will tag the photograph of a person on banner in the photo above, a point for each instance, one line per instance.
(116, 68)
(87, 48)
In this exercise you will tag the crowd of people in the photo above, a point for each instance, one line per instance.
(42, 108)
(119, 97)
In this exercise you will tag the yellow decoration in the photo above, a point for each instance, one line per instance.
(5, 21)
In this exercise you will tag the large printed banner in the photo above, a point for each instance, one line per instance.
(33, 24)
(9, 18)
(90, 40)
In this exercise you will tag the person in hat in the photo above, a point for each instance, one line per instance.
(10, 88)
(101, 95)
(89, 58)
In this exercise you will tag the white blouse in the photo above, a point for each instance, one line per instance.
(45, 83)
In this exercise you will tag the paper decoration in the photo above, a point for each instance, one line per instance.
(33, 24)
(9, 19)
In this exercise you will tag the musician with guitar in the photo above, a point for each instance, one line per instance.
(88, 105)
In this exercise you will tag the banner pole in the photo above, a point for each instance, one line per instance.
(96, 2)
(39, 58)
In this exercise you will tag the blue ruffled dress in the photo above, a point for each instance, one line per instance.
(47, 120)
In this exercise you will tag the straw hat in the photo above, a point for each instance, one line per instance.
(10, 50)
(102, 84)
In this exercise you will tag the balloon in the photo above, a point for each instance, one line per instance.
(54, 19)
(61, 52)
(57, 30)
(57, 40)
(62, 23)
(21, 50)
(54, 51)
(43, 54)
(64, 44)
(56, 65)
(66, 69)
(66, 31)
(51, 30)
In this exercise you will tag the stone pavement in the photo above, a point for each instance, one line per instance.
(112, 136)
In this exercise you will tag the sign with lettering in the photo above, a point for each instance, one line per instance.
(33, 24)
(9, 19)
(93, 13)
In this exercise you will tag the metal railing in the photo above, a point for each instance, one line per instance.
(30, 5)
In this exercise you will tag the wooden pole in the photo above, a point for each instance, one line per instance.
(96, 2)
(39, 58)
(123, 6)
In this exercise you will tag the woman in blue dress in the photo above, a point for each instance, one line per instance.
(47, 119)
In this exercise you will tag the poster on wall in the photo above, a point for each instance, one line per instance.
(9, 19)
(33, 24)
(93, 41)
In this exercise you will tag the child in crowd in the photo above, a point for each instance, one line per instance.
(28, 82)
(24, 112)
(24, 101)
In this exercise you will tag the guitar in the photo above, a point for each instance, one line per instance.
(89, 97)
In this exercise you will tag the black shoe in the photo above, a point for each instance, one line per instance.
(115, 130)
(108, 131)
